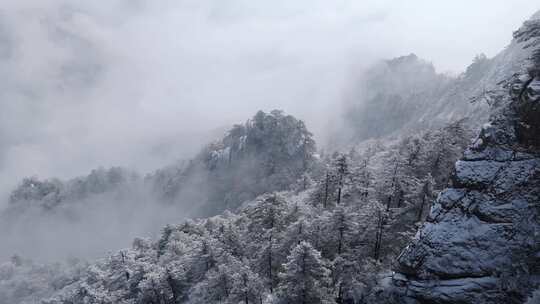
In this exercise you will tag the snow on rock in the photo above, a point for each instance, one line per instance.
(477, 172)
(481, 240)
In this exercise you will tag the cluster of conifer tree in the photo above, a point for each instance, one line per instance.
(326, 240)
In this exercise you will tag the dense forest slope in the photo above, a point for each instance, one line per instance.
(270, 152)
(353, 210)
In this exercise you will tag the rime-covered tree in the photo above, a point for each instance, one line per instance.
(266, 222)
(305, 277)
(330, 187)
(338, 230)
(342, 169)
(425, 195)
(445, 147)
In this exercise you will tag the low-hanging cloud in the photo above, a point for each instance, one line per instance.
(86, 227)
(139, 83)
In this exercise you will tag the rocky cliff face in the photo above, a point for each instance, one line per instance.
(481, 240)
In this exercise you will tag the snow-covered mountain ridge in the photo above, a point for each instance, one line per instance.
(481, 240)
(404, 95)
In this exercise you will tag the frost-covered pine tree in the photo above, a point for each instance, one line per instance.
(154, 286)
(248, 287)
(337, 231)
(215, 288)
(342, 169)
(266, 222)
(305, 278)
(230, 282)
(331, 185)
(325, 189)
(444, 148)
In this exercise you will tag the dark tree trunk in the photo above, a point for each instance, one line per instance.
(172, 285)
(325, 190)
(421, 209)
(378, 238)
(304, 275)
(339, 189)
(270, 275)
(339, 299)
(340, 239)
(400, 198)
(392, 187)
(388, 202)
(246, 295)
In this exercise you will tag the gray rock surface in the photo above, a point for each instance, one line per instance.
(481, 240)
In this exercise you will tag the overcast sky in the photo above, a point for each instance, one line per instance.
(140, 83)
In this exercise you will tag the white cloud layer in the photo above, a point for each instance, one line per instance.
(141, 83)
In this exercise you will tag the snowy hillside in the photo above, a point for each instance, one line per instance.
(406, 94)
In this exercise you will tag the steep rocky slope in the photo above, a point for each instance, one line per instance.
(406, 94)
(481, 240)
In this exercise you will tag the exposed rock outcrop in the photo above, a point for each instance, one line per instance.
(481, 240)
